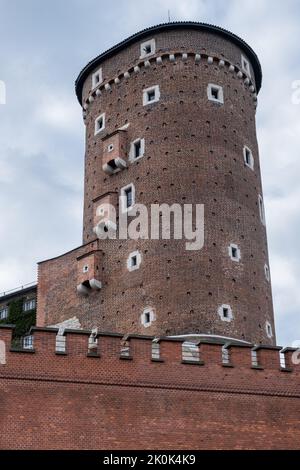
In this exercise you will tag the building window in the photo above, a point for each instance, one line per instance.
(147, 48)
(29, 305)
(137, 149)
(85, 269)
(96, 78)
(261, 210)
(147, 317)
(28, 342)
(248, 158)
(269, 330)
(134, 261)
(99, 123)
(151, 95)
(246, 65)
(234, 252)
(267, 272)
(225, 313)
(3, 313)
(110, 147)
(127, 197)
(215, 93)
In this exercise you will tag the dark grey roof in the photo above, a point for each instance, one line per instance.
(165, 27)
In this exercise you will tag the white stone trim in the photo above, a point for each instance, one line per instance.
(210, 95)
(146, 92)
(251, 163)
(132, 157)
(232, 247)
(150, 43)
(148, 313)
(95, 75)
(97, 129)
(123, 197)
(261, 209)
(269, 329)
(245, 65)
(229, 316)
(138, 257)
(267, 272)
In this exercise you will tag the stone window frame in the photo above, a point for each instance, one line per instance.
(269, 330)
(98, 130)
(238, 251)
(146, 92)
(251, 164)
(95, 82)
(148, 311)
(246, 65)
(261, 208)
(138, 256)
(132, 157)
(221, 309)
(124, 197)
(152, 44)
(267, 272)
(210, 96)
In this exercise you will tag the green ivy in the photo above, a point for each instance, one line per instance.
(23, 321)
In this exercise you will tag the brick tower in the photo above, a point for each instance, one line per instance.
(170, 118)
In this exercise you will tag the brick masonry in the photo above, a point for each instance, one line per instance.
(76, 401)
(193, 154)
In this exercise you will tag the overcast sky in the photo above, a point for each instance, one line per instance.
(44, 45)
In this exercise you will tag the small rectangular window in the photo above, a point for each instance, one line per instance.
(133, 261)
(248, 158)
(151, 95)
(147, 48)
(147, 317)
(137, 149)
(261, 209)
(246, 66)
(234, 252)
(225, 312)
(3, 313)
(28, 342)
(128, 194)
(99, 123)
(96, 78)
(215, 93)
(29, 305)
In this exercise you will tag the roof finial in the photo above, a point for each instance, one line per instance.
(169, 16)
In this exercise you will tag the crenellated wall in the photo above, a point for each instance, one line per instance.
(127, 395)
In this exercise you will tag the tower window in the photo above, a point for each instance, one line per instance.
(225, 313)
(269, 330)
(147, 48)
(234, 252)
(134, 260)
(246, 66)
(137, 149)
(261, 209)
(85, 269)
(99, 123)
(127, 197)
(248, 158)
(110, 147)
(267, 272)
(3, 313)
(147, 317)
(151, 95)
(215, 93)
(96, 78)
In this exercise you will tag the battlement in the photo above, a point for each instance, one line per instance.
(111, 358)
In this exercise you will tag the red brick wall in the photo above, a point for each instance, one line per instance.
(72, 401)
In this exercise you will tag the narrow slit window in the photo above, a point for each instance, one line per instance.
(96, 78)
(137, 149)
(248, 158)
(127, 197)
(261, 209)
